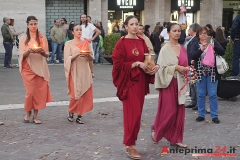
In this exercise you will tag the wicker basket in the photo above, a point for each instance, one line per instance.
(228, 88)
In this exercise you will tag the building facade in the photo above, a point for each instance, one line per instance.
(112, 12)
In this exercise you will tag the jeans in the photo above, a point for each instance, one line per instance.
(8, 46)
(56, 49)
(203, 87)
(193, 93)
(101, 50)
(95, 46)
(236, 56)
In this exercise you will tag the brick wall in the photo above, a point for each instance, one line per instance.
(69, 9)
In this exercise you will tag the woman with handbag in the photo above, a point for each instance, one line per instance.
(172, 86)
(208, 76)
(131, 81)
(77, 56)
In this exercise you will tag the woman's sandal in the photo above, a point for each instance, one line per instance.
(70, 117)
(79, 120)
(180, 145)
(153, 135)
(36, 121)
(27, 121)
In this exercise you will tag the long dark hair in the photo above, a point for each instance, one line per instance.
(71, 25)
(86, 23)
(29, 18)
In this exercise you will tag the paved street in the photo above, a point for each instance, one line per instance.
(100, 138)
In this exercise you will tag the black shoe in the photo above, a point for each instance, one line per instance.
(8, 67)
(190, 105)
(195, 108)
(216, 120)
(200, 119)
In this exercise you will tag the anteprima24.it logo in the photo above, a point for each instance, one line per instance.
(218, 151)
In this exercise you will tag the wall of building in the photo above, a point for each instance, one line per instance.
(19, 11)
(235, 5)
(154, 11)
(57, 9)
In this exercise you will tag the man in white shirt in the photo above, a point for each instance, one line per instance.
(164, 33)
(88, 30)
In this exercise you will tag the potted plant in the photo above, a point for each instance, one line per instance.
(228, 88)
(109, 44)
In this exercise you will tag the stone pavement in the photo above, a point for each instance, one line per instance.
(101, 136)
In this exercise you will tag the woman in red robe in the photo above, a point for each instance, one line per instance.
(131, 81)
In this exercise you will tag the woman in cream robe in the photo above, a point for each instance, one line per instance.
(77, 56)
(34, 70)
(169, 81)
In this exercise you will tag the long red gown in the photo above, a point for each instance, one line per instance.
(169, 121)
(132, 84)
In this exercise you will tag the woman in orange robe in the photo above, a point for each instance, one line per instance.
(33, 50)
(77, 56)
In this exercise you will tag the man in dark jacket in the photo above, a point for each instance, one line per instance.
(7, 41)
(235, 36)
(187, 44)
(182, 36)
(157, 44)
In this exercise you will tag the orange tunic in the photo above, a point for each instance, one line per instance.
(79, 79)
(35, 75)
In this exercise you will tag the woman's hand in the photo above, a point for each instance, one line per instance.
(32, 50)
(142, 65)
(204, 46)
(181, 69)
(41, 51)
(154, 69)
(211, 44)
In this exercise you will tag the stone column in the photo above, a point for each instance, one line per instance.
(104, 16)
(211, 12)
(156, 11)
(94, 9)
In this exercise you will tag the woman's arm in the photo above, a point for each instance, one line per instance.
(75, 57)
(218, 48)
(195, 51)
(44, 50)
(14, 31)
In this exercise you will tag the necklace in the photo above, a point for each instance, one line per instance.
(175, 45)
(135, 50)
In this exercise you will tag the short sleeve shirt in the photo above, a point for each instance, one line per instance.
(164, 34)
(87, 32)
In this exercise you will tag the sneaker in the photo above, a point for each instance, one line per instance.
(17, 65)
(215, 120)
(200, 119)
(57, 61)
(233, 78)
(190, 105)
(48, 59)
(195, 108)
